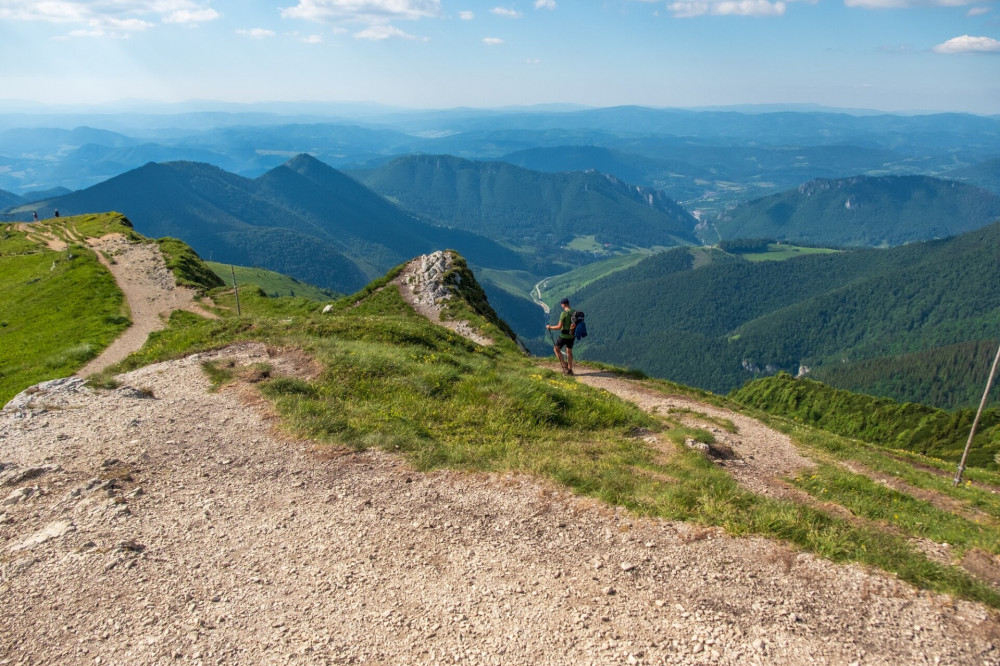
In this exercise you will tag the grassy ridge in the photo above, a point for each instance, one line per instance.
(60, 309)
(57, 309)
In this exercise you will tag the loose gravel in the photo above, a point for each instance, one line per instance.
(164, 523)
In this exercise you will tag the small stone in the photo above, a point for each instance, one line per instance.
(698, 647)
(660, 603)
(759, 645)
(610, 591)
(627, 566)
(18, 496)
(632, 659)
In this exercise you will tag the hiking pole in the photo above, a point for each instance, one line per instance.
(975, 422)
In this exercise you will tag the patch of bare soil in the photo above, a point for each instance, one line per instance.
(161, 522)
(150, 291)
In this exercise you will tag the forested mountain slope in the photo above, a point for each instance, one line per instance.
(719, 324)
(864, 211)
(530, 209)
(304, 219)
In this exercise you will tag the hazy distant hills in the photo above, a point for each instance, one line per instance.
(864, 211)
(984, 174)
(304, 219)
(8, 199)
(722, 320)
(705, 159)
(530, 209)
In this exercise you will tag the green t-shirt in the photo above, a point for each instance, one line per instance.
(565, 321)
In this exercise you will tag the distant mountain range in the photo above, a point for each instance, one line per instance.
(705, 159)
(532, 210)
(715, 320)
(8, 199)
(864, 211)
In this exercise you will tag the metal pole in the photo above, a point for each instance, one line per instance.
(237, 290)
(975, 422)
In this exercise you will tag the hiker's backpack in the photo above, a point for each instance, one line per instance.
(578, 327)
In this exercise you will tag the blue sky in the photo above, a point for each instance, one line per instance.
(891, 55)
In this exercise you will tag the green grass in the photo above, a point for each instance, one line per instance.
(575, 280)
(394, 381)
(273, 284)
(587, 244)
(782, 252)
(58, 310)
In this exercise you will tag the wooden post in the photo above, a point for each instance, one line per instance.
(975, 422)
(237, 290)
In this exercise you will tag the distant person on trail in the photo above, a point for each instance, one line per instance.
(566, 338)
(34, 214)
(57, 212)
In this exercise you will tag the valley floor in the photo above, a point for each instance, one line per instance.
(162, 522)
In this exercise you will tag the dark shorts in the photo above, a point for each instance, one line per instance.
(564, 342)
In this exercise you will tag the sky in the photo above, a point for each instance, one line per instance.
(887, 55)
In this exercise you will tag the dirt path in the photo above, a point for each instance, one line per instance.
(764, 455)
(163, 523)
(150, 291)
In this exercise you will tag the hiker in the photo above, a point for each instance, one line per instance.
(57, 212)
(34, 214)
(566, 337)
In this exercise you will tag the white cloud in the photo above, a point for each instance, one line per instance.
(367, 11)
(690, 8)
(256, 33)
(108, 18)
(493, 41)
(378, 33)
(506, 13)
(311, 39)
(545, 4)
(905, 4)
(192, 15)
(466, 16)
(978, 11)
(967, 44)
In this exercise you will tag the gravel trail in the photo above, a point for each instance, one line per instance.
(150, 290)
(164, 523)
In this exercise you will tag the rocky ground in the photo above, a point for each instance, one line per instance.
(161, 522)
(420, 286)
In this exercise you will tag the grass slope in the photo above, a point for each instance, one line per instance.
(271, 283)
(392, 380)
(59, 309)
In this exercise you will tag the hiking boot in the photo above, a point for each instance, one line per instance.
(569, 371)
